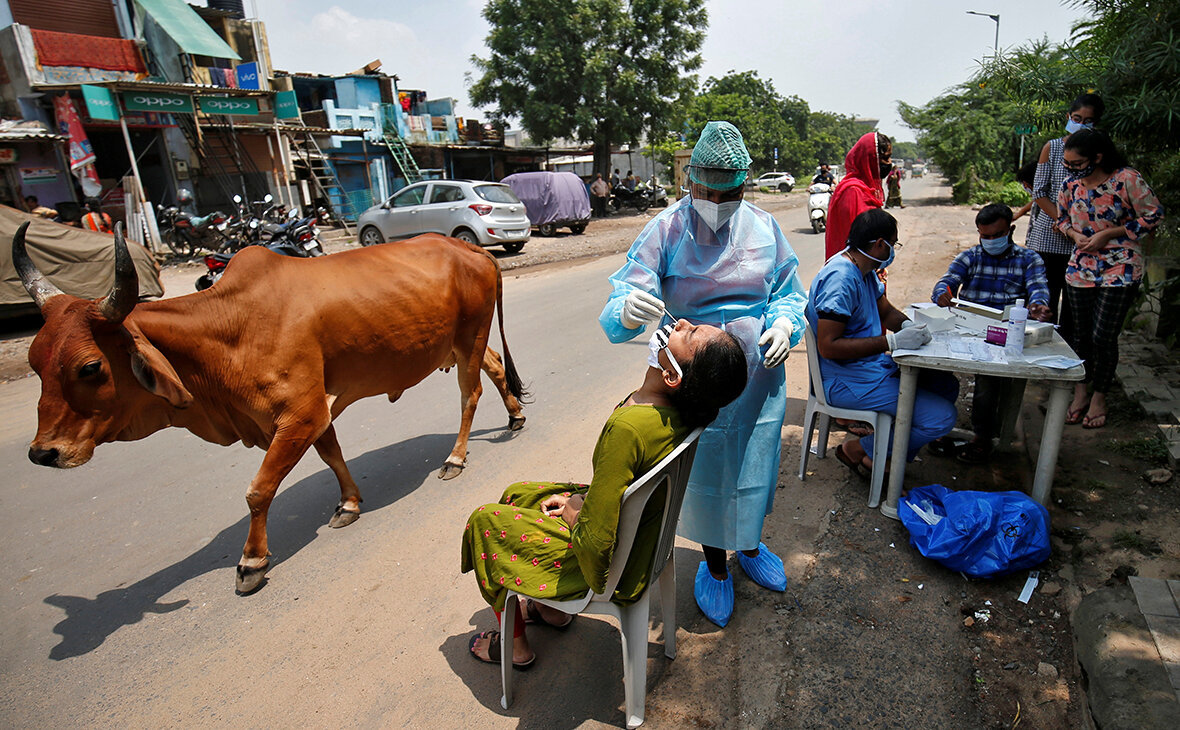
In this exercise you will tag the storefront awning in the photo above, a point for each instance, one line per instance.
(184, 26)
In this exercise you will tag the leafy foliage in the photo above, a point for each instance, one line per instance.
(600, 71)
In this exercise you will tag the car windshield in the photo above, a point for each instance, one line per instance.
(496, 193)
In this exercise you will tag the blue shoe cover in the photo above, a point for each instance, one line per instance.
(715, 597)
(766, 569)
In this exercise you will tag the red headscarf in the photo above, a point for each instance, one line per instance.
(858, 191)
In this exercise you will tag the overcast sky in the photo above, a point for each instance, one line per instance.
(855, 57)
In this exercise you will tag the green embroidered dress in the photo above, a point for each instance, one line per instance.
(514, 545)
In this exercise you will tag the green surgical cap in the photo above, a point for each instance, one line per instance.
(719, 160)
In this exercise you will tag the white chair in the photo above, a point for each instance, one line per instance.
(673, 470)
(817, 405)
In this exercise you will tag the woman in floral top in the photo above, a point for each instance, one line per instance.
(1106, 208)
(556, 540)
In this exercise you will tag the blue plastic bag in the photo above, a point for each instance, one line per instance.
(982, 534)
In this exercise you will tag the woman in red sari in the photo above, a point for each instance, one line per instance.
(869, 160)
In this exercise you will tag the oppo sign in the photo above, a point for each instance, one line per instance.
(145, 101)
(227, 105)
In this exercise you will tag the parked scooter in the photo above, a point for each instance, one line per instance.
(621, 198)
(819, 195)
(297, 239)
(657, 197)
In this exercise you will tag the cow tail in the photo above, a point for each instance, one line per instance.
(515, 386)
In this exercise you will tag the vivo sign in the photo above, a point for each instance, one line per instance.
(227, 105)
(143, 101)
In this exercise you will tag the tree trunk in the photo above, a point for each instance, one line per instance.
(602, 151)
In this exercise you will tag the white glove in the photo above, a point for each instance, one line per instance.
(907, 323)
(909, 338)
(641, 308)
(777, 339)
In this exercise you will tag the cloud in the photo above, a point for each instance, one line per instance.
(336, 42)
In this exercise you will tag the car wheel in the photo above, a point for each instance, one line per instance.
(513, 246)
(547, 229)
(468, 237)
(784, 188)
(578, 229)
(371, 236)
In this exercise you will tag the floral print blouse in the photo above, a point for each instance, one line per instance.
(1123, 199)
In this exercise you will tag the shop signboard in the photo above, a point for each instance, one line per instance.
(286, 105)
(33, 175)
(100, 103)
(247, 75)
(157, 101)
(227, 105)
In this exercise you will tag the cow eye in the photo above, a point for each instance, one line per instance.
(90, 369)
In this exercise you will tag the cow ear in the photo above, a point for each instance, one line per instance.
(156, 375)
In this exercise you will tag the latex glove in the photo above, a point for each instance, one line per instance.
(907, 323)
(909, 338)
(641, 308)
(777, 340)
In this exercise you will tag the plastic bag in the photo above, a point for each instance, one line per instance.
(982, 534)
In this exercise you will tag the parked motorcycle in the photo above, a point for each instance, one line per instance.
(297, 238)
(621, 197)
(657, 197)
(818, 197)
(184, 234)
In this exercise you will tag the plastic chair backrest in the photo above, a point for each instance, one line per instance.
(673, 469)
(813, 374)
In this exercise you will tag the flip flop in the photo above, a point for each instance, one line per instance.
(857, 467)
(533, 615)
(858, 428)
(1073, 418)
(1089, 421)
(493, 638)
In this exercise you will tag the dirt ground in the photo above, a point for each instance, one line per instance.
(870, 634)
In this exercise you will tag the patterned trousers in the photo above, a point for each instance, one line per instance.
(1098, 316)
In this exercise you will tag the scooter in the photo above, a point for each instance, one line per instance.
(819, 195)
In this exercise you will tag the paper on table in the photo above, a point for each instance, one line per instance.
(1057, 362)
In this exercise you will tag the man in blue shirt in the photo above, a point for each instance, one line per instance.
(996, 272)
(856, 327)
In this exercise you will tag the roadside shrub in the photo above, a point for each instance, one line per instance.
(1010, 193)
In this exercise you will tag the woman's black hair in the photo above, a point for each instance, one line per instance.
(869, 226)
(1027, 174)
(715, 377)
(1090, 143)
(1091, 100)
(883, 141)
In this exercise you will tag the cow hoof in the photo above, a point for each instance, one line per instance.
(450, 471)
(515, 423)
(343, 517)
(251, 579)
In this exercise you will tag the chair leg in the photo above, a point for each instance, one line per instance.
(507, 629)
(821, 446)
(668, 606)
(808, 432)
(882, 429)
(633, 628)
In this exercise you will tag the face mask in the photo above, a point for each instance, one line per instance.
(659, 341)
(1071, 126)
(1086, 171)
(994, 246)
(715, 215)
(884, 263)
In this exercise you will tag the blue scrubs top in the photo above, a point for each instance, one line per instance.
(741, 278)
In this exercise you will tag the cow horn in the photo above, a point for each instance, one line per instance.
(38, 287)
(124, 293)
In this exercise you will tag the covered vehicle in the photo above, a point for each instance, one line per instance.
(77, 261)
(553, 200)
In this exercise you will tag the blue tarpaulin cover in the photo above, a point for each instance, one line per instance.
(551, 197)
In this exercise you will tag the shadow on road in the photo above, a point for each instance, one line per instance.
(304, 507)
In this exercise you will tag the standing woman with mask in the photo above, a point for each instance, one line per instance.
(868, 162)
(712, 258)
(1106, 209)
(1043, 236)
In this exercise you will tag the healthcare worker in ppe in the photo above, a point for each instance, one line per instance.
(712, 258)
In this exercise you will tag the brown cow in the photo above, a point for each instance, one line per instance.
(269, 356)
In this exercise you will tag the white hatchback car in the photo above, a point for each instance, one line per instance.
(483, 213)
(781, 181)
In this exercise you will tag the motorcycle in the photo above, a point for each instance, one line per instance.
(657, 197)
(818, 197)
(184, 234)
(621, 197)
(297, 238)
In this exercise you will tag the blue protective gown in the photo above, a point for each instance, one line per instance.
(741, 279)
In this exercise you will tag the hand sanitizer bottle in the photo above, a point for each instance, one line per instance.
(1017, 316)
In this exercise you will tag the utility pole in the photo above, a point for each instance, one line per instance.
(996, 45)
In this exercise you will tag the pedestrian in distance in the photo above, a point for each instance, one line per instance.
(893, 184)
(600, 192)
(96, 219)
(555, 540)
(1106, 208)
(33, 205)
(865, 165)
(713, 258)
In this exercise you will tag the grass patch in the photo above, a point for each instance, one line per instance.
(1151, 449)
(1131, 540)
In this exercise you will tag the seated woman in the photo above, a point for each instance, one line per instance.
(555, 541)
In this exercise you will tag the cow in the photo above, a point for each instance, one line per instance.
(268, 356)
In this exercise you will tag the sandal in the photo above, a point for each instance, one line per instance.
(858, 428)
(493, 638)
(975, 452)
(942, 446)
(1073, 418)
(1097, 421)
(533, 615)
(857, 467)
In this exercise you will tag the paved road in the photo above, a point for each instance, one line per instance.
(118, 576)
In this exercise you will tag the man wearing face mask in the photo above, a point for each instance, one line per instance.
(995, 272)
(712, 258)
(856, 327)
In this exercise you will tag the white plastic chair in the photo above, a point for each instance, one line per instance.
(817, 405)
(673, 469)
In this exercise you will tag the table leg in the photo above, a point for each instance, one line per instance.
(1059, 398)
(902, 422)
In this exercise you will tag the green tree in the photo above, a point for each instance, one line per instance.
(831, 136)
(601, 71)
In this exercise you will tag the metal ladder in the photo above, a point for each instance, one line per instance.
(397, 146)
(323, 174)
(221, 157)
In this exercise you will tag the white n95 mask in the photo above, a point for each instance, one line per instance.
(715, 215)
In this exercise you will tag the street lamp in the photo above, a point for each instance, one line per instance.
(996, 46)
